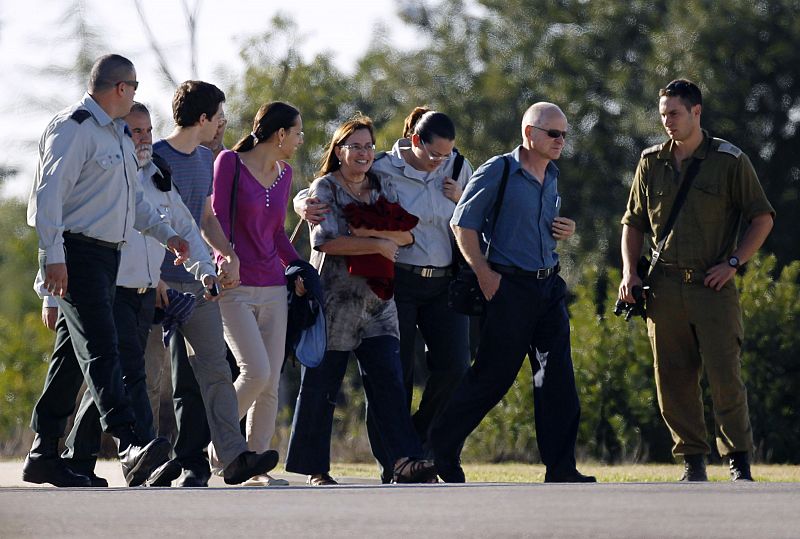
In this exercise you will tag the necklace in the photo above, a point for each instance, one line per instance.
(357, 192)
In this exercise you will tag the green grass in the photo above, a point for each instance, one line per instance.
(626, 473)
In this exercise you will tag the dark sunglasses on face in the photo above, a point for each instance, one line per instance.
(552, 133)
(132, 83)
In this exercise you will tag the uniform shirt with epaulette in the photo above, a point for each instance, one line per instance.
(725, 191)
(85, 182)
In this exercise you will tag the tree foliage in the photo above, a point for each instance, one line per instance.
(483, 63)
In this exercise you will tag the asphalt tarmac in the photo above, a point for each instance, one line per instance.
(361, 508)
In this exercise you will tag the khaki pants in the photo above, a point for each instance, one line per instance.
(254, 320)
(693, 329)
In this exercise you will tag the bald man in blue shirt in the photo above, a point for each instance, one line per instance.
(526, 312)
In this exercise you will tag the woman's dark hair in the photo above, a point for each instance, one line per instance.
(192, 99)
(329, 162)
(270, 118)
(427, 124)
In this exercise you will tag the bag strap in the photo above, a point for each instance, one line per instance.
(680, 198)
(498, 202)
(234, 198)
(458, 163)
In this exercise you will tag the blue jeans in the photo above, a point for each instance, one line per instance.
(527, 316)
(379, 364)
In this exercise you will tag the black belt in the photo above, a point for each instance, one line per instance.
(426, 271)
(87, 239)
(543, 273)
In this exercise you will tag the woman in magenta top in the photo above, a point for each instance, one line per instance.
(254, 314)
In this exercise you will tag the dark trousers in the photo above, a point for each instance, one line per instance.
(194, 434)
(422, 303)
(133, 317)
(86, 326)
(379, 364)
(526, 316)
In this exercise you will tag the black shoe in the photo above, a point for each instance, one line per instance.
(53, 470)
(164, 475)
(139, 462)
(570, 476)
(194, 479)
(694, 468)
(450, 471)
(414, 470)
(86, 467)
(740, 467)
(249, 464)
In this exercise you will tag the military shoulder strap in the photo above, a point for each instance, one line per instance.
(727, 147)
(80, 115)
(652, 149)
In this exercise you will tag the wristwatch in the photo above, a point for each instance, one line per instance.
(733, 261)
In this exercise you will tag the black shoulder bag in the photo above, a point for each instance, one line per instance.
(464, 294)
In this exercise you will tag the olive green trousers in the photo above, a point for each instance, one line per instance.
(695, 329)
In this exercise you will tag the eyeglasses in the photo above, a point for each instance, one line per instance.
(133, 83)
(432, 157)
(358, 147)
(552, 133)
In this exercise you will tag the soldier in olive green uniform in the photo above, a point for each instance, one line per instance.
(694, 320)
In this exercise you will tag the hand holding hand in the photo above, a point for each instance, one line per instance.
(229, 272)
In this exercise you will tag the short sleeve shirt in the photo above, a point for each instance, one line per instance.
(725, 191)
(352, 310)
(522, 236)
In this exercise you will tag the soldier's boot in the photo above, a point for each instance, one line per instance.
(694, 468)
(740, 466)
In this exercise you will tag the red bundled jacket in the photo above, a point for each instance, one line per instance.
(382, 215)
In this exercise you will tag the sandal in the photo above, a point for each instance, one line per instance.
(413, 470)
(321, 480)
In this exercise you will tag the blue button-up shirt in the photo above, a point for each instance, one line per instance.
(522, 236)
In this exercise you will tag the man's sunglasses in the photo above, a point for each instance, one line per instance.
(552, 133)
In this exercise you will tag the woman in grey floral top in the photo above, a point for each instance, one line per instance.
(358, 320)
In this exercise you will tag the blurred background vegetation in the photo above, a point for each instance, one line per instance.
(603, 62)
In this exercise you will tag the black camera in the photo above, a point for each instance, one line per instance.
(628, 310)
